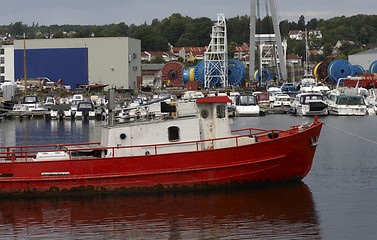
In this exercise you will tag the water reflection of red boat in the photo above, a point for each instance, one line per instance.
(287, 211)
(194, 150)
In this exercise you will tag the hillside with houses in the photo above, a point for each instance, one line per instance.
(185, 39)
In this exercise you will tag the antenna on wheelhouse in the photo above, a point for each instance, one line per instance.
(111, 106)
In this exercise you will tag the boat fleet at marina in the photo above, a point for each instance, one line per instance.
(307, 99)
(311, 98)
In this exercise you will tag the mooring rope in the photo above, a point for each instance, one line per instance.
(352, 134)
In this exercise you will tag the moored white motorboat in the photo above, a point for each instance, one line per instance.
(281, 100)
(343, 104)
(309, 104)
(246, 105)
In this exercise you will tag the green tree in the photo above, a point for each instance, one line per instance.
(151, 39)
(284, 28)
(158, 60)
(17, 29)
(173, 28)
(232, 49)
(301, 24)
(238, 29)
(197, 33)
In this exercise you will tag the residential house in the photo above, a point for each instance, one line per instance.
(149, 56)
(189, 53)
(315, 33)
(296, 34)
(294, 60)
(242, 52)
(341, 43)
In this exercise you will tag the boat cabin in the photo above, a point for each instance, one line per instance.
(207, 118)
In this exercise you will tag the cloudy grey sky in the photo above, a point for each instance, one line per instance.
(100, 12)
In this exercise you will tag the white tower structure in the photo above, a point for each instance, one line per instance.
(262, 39)
(215, 58)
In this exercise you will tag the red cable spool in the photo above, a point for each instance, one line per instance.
(172, 74)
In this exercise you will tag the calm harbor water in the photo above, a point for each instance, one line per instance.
(337, 200)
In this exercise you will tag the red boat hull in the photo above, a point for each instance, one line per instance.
(285, 158)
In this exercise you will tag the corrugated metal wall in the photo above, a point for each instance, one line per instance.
(68, 64)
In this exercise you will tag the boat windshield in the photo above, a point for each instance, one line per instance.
(30, 99)
(351, 101)
(306, 98)
(246, 100)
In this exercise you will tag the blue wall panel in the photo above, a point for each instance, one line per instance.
(68, 64)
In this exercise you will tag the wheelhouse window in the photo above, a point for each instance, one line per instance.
(173, 134)
(220, 111)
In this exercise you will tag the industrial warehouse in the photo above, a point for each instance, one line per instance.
(79, 61)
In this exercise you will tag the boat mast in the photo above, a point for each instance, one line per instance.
(306, 53)
(25, 81)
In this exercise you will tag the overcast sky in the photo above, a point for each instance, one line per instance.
(100, 12)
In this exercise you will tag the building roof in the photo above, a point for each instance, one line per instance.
(293, 56)
(189, 49)
(215, 99)
(295, 32)
(147, 53)
(243, 48)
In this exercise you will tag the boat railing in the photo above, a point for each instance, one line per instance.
(240, 137)
(27, 152)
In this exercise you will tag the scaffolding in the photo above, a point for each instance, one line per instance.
(215, 58)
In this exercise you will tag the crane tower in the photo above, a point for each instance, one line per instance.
(216, 56)
(276, 36)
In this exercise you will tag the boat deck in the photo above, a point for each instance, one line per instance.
(50, 152)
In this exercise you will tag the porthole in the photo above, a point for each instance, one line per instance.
(204, 113)
(122, 136)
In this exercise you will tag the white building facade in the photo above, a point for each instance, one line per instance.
(7, 63)
(364, 59)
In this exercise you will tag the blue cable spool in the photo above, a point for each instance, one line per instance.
(199, 72)
(188, 75)
(373, 67)
(266, 75)
(339, 69)
(236, 72)
(357, 70)
(214, 66)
